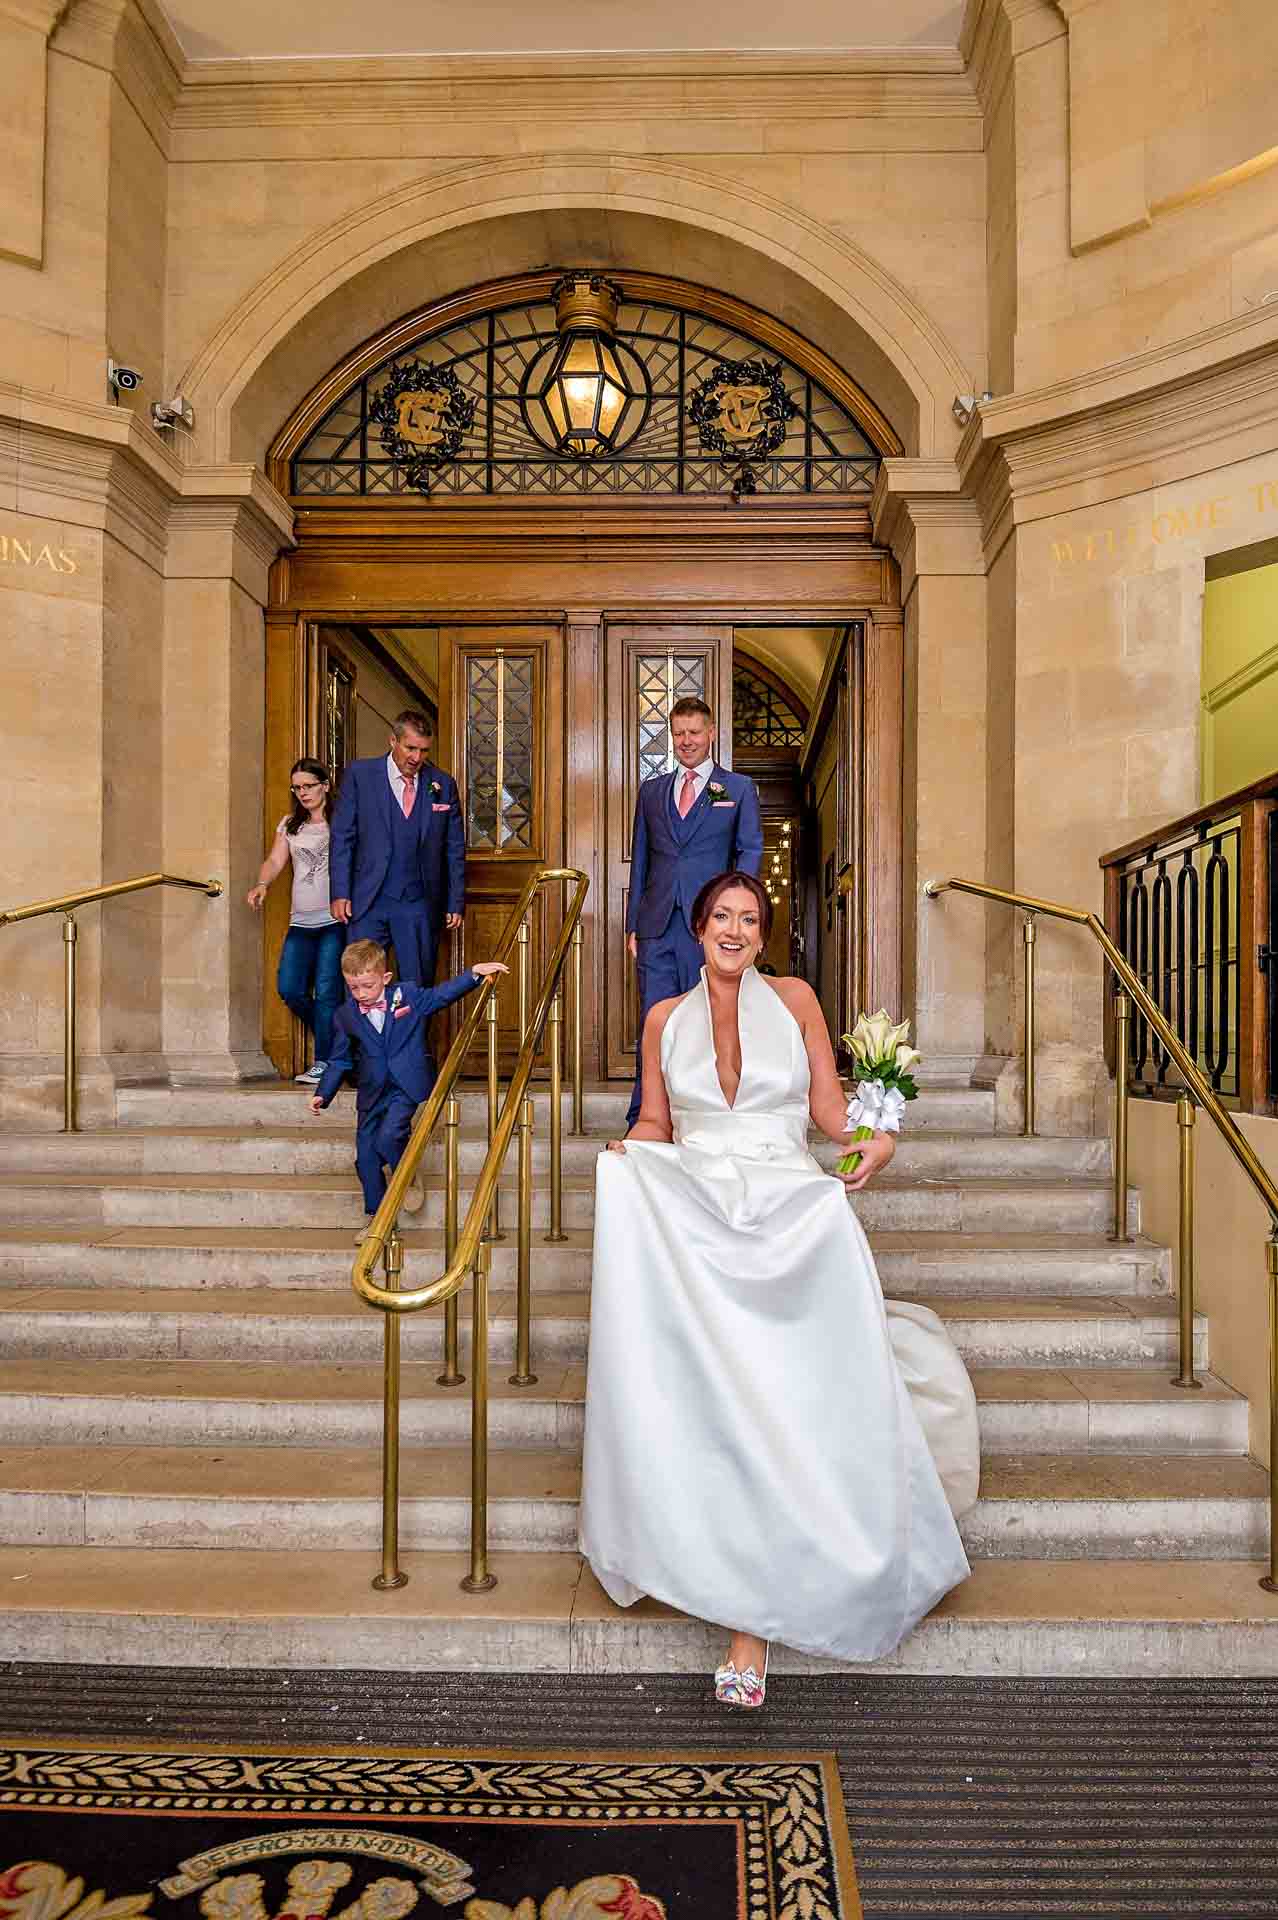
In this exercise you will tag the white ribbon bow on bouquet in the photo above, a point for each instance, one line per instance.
(876, 1106)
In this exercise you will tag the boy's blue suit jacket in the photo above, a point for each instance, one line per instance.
(671, 858)
(360, 839)
(395, 1057)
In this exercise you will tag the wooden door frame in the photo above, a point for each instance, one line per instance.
(771, 561)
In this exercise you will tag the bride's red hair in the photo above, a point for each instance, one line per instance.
(703, 905)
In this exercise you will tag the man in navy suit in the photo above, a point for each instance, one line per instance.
(386, 1028)
(690, 825)
(397, 852)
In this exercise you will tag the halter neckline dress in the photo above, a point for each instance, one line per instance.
(768, 1446)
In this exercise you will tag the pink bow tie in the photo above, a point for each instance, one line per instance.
(378, 1006)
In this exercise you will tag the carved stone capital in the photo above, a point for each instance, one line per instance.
(921, 512)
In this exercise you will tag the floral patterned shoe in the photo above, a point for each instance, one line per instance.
(746, 1689)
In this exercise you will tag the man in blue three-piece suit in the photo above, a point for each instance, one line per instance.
(690, 825)
(397, 852)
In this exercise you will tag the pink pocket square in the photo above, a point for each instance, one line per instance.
(401, 1011)
(723, 803)
(440, 806)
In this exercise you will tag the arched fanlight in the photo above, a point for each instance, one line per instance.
(586, 395)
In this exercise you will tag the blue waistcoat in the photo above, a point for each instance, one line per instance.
(403, 881)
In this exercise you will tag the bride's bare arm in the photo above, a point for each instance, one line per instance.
(654, 1112)
(826, 1097)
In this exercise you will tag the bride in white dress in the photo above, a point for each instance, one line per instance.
(767, 1445)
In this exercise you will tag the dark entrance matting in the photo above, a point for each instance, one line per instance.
(282, 1833)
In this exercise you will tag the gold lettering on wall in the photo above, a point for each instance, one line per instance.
(16, 552)
(1196, 519)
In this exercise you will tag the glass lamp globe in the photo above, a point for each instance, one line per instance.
(582, 401)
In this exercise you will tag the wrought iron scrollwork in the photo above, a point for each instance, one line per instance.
(741, 412)
(1178, 917)
(485, 444)
(424, 415)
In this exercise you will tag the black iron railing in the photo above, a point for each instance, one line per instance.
(1192, 908)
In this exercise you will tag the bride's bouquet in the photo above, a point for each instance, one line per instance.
(885, 1066)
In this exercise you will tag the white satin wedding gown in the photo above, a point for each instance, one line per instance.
(765, 1443)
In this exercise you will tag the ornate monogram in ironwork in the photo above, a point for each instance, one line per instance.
(822, 449)
(741, 412)
(424, 415)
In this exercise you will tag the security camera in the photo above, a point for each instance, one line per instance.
(177, 412)
(123, 379)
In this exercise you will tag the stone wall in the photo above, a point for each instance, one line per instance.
(938, 222)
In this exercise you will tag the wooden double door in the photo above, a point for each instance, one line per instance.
(550, 725)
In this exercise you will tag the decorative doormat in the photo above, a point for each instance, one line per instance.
(174, 1833)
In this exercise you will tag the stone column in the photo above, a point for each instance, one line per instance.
(935, 536)
(226, 529)
(86, 499)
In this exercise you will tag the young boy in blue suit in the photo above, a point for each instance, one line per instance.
(386, 1029)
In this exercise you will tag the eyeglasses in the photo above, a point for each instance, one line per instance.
(310, 786)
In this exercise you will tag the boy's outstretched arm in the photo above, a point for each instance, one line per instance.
(435, 998)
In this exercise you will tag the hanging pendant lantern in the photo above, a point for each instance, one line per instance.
(588, 396)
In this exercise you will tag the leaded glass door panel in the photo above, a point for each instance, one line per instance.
(503, 686)
(649, 667)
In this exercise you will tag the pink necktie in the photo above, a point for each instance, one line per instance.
(688, 794)
(410, 793)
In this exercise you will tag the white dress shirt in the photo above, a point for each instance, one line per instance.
(700, 775)
(377, 1018)
(396, 779)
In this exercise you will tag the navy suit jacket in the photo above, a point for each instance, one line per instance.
(395, 1057)
(671, 858)
(359, 849)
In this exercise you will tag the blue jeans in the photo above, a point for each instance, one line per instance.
(309, 981)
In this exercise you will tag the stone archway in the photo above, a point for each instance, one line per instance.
(479, 221)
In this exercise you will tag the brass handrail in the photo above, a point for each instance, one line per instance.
(472, 1251)
(66, 904)
(1198, 1089)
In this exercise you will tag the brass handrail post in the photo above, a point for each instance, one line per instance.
(494, 1218)
(523, 1376)
(1028, 932)
(479, 1579)
(1122, 1015)
(525, 961)
(391, 1575)
(554, 1044)
(1185, 1117)
(578, 1019)
(452, 1376)
(70, 933)
(1270, 1581)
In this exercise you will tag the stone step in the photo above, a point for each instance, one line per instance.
(334, 1200)
(283, 1258)
(269, 1103)
(244, 1151)
(933, 1264)
(1020, 1264)
(242, 1200)
(304, 1326)
(230, 1403)
(1154, 1507)
(183, 1607)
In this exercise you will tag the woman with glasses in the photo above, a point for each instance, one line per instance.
(310, 975)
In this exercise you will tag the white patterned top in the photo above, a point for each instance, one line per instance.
(308, 850)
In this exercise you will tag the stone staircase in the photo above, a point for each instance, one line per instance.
(190, 1411)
